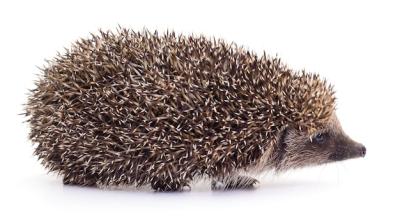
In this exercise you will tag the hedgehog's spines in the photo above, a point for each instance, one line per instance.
(147, 108)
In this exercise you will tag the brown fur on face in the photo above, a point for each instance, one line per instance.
(328, 144)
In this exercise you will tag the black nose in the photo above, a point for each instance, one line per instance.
(363, 151)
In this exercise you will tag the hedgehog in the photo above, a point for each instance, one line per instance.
(141, 108)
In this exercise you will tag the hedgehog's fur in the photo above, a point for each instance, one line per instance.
(131, 108)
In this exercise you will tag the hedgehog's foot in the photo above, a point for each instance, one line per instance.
(90, 181)
(160, 185)
(234, 182)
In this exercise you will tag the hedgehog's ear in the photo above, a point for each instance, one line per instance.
(283, 134)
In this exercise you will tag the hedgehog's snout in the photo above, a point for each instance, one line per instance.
(357, 150)
(344, 152)
(363, 151)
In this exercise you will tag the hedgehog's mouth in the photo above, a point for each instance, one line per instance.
(348, 152)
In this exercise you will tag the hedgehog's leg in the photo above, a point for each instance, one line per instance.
(80, 180)
(234, 182)
(169, 185)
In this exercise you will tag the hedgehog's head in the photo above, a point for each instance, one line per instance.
(327, 144)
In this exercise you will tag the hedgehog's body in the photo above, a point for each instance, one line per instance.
(138, 109)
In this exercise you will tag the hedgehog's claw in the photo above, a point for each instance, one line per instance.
(217, 185)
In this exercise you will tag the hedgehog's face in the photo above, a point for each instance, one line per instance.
(326, 145)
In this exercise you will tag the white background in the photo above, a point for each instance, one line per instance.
(354, 44)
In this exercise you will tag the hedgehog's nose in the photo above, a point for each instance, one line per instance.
(363, 151)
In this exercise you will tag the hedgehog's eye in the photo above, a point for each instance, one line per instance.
(319, 138)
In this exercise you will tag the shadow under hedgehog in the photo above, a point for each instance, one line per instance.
(141, 108)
